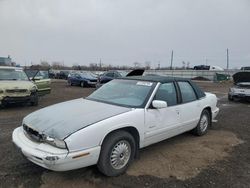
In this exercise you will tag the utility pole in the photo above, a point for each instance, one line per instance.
(100, 63)
(227, 59)
(172, 58)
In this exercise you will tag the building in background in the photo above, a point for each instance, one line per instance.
(5, 61)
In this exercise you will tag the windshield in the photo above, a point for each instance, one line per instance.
(129, 93)
(12, 74)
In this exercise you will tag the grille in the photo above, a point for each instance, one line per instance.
(32, 134)
(16, 90)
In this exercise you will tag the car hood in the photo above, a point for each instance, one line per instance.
(61, 120)
(16, 84)
(241, 77)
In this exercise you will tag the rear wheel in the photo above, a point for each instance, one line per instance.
(204, 123)
(118, 151)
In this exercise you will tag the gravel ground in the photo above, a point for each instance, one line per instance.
(219, 159)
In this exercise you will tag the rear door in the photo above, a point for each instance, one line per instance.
(190, 108)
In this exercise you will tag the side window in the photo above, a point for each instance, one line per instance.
(116, 75)
(110, 74)
(187, 92)
(166, 92)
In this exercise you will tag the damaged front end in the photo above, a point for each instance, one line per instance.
(36, 136)
(241, 88)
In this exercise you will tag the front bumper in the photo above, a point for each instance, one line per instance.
(51, 157)
(239, 95)
(215, 113)
(92, 83)
(18, 99)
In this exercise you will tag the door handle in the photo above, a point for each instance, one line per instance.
(177, 111)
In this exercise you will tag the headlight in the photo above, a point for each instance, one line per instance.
(55, 142)
(33, 89)
(1, 91)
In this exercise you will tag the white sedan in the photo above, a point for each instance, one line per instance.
(110, 126)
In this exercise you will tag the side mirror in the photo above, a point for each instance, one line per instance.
(159, 104)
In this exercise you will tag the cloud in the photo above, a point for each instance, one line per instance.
(121, 32)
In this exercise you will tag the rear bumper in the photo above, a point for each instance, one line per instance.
(51, 157)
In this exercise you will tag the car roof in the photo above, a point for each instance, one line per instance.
(165, 79)
(155, 78)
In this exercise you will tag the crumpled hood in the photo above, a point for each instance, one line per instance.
(16, 84)
(241, 77)
(60, 120)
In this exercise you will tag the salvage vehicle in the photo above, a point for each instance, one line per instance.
(41, 79)
(241, 88)
(109, 126)
(15, 87)
(82, 79)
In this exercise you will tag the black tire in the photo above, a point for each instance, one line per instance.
(82, 84)
(230, 98)
(201, 128)
(109, 145)
(34, 100)
(70, 83)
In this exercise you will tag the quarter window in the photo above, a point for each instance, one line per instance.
(187, 92)
(167, 92)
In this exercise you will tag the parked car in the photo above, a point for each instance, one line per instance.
(62, 74)
(15, 87)
(110, 126)
(41, 79)
(83, 79)
(245, 68)
(110, 75)
(241, 88)
(208, 67)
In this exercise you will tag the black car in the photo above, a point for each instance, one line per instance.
(110, 75)
(201, 67)
(62, 75)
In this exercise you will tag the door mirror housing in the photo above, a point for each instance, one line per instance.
(159, 104)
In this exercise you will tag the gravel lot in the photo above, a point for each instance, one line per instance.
(219, 159)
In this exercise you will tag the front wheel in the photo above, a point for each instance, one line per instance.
(204, 123)
(83, 84)
(230, 98)
(34, 99)
(118, 151)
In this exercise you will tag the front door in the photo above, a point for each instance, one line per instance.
(162, 123)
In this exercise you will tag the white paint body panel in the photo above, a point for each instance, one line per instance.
(153, 125)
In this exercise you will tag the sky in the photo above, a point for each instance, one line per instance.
(121, 32)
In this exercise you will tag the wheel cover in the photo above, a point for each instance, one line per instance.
(204, 123)
(120, 154)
